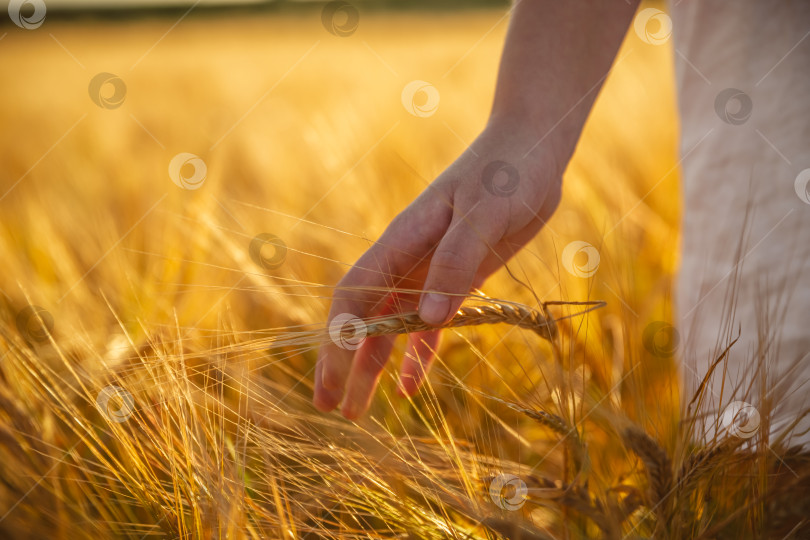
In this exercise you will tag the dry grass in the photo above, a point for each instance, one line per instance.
(152, 290)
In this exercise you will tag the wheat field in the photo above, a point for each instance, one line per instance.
(161, 385)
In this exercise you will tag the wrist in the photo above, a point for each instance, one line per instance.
(538, 147)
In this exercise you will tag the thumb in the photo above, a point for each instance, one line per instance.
(453, 268)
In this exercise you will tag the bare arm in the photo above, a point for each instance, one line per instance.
(463, 227)
(556, 56)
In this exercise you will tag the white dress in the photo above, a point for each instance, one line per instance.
(743, 76)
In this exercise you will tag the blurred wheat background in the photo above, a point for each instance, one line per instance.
(152, 290)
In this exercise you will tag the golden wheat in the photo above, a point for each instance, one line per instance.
(659, 471)
(494, 313)
(152, 290)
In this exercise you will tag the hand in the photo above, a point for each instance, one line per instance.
(472, 219)
(466, 224)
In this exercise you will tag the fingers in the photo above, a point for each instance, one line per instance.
(323, 399)
(335, 355)
(349, 307)
(361, 293)
(454, 266)
(417, 361)
(365, 374)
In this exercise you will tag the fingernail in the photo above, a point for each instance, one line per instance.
(328, 381)
(434, 308)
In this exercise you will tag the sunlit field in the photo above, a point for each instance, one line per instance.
(162, 385)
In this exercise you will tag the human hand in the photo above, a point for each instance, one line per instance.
(472, 219)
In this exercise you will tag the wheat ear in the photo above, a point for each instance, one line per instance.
(495, 312)
(659, 470)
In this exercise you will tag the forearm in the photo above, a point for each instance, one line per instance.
(556, 57)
